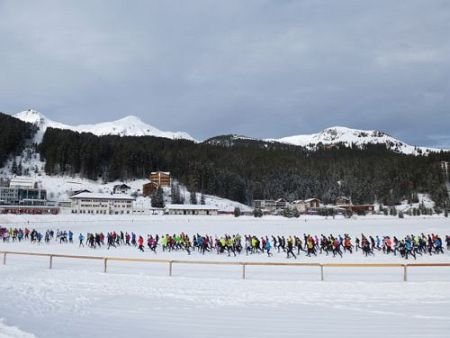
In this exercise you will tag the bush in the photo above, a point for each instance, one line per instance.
(257, 212)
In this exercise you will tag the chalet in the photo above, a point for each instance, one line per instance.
(190, 209)
(149, 188)
(300, 205)
(305, 206)
(90, 203)
(121, 189)
(342, 200)
(312, 203)
(281, 203)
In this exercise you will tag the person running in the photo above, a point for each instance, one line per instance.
(81, 239)
(290, 246)
(268, 246)
(141, 243)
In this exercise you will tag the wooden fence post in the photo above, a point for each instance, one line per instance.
(405, 273)
(170, 268)
(4, 258)
(321, 272)
(243, 271)
(105, 265)
(51, 262)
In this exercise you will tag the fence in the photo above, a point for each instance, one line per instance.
(243, 265)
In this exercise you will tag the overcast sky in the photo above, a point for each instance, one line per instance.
(258, 68)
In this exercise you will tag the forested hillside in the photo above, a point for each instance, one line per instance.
(13, 136)
(250, 169)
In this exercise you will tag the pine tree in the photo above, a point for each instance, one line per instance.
(237, 212)
(176, 195)
(20, 169)
(14, 167)
(202, 199)
(158, 198)
(193, 197)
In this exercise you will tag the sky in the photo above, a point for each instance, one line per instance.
(265, 69)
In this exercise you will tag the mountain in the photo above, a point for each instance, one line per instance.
(352, 137)
(127, 126)
(133, 126)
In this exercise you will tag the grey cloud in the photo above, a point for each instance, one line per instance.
(260, 68)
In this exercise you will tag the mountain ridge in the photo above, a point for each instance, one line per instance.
(127, 126)
(133, 126)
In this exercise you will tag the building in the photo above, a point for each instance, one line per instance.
(305, 206)
(157, 179)
(281, 203)
(23, 192)
(312, 203)
(106, 204)
(359, 209)
(149, 188)
(300, 205)
(22, 182)
(190, 209)
(342, 200)
(76, 192)
(28, 209)
(121, 189)
(162, 178)
(264, 204)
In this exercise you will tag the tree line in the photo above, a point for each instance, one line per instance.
(244, 170)
(14, 134)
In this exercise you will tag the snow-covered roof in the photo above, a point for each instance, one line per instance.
(190, 207)
(162, 172)
(87, 195)
(298, 201)
(311, 199)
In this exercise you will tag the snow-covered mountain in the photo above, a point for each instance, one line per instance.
(127, 126)
(350, 137)
(133, 126)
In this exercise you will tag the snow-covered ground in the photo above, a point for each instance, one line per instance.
(77, 299)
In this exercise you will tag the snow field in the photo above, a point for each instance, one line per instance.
(70, 303)
(76, 299)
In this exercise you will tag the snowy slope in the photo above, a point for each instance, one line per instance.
(127, 126)
(349, 137)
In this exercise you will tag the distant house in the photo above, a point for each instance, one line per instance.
(121, 189)
(342, 200)
(304, 206)
(190, 209)
(300, 205)
(264, 204)
(281, 203)
(362, 208)
(312, 203)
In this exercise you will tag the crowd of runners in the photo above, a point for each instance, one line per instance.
(233, 245)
